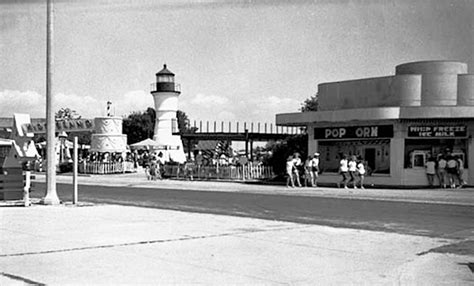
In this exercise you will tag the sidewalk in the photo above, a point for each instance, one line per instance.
(111, 244)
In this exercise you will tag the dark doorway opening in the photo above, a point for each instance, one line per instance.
(369, 156)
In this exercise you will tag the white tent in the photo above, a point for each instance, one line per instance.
(145, 144)
(169, 154)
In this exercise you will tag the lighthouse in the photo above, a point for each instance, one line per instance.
(165, 94)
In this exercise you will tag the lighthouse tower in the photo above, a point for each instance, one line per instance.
(165, 93)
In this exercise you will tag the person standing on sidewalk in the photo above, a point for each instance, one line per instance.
(343, 170)
(352, 167)
(442, 171)
(430, 171)
(308, 172)
(289, 172)
(361, 172)
(452, 170)
(315, 169)
(297, 164)
(460, 171)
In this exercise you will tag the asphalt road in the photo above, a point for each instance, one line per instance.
(435, 220)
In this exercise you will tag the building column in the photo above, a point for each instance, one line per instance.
(470, 159)
(397, 155)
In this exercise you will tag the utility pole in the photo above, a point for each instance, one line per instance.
(51, 197)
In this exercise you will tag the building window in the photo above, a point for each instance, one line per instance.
(417, 151)
(376, 153)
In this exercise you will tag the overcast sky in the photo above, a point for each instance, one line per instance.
(235, 60)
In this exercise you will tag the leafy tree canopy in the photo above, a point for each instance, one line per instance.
(281, 150)
(310, 104)
(139, 125)
(66, 114)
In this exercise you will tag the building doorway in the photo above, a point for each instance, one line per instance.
(369, 156)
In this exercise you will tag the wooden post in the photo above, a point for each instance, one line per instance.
(26, 189)
(74, 172)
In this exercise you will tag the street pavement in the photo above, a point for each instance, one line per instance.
(112, 244)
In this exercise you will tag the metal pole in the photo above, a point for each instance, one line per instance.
(74, 172)
(51, 197)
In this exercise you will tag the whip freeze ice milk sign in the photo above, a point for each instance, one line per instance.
(354, 132)
(437, 131)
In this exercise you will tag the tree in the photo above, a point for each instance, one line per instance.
(281, 150)
(310, 104)
(184, 127)
(139, 125)
(66, 114)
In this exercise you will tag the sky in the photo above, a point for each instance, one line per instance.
(240, 61)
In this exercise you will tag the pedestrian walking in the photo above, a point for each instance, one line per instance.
(442, 171)
(308, 172)
(297, 164)
(361, 172)
(315, 169)
(452, 170)
(160, 166)
(352, 168)
(430, 167)
(189, 169)
(289, 172)
(343, 170)
(460, 171)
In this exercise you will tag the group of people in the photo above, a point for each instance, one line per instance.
(352, 169)
(448, 169)
(296, 168)
(154, 166)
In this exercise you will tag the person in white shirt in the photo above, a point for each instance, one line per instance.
(343, 170)
(352, 168)
(460, 171)
(315, 169)
(297, 165)
(308, 172)
(289, 172)
(431, 171)
(442, 171)
(361, 172)
(452, 170)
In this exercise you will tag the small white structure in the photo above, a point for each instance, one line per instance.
(108, 135)
(165, 95)
(23, 140)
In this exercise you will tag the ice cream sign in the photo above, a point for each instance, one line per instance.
(437, 131)
(354, 132)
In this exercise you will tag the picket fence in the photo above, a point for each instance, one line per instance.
(246, 172)
(106, 167)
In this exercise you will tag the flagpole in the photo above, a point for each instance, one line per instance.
(51, 197)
